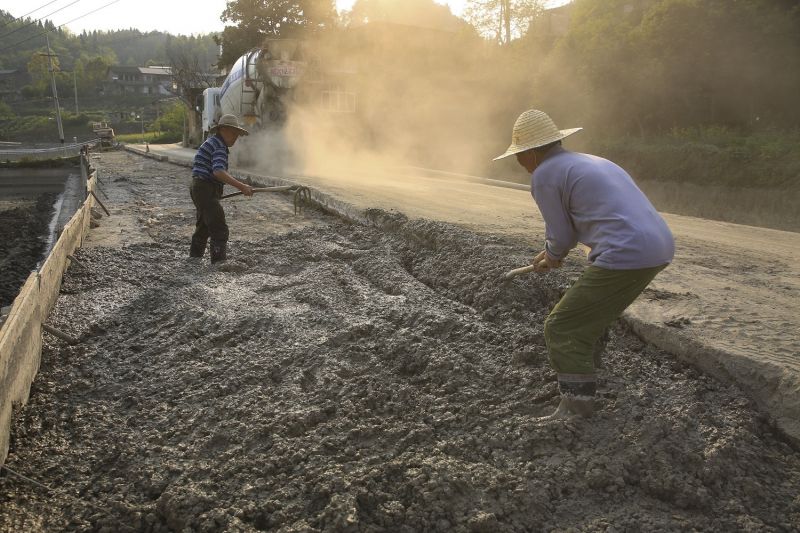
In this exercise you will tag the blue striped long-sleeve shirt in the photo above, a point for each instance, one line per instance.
(588, 199)
(212, 155)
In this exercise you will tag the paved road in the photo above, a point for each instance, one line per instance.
(730, 303)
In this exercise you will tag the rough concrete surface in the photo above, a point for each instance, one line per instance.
(729, 303)
(338, 377)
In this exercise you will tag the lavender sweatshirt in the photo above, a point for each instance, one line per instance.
(588, 199)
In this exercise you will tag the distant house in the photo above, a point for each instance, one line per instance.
(11, 83)
(139, 81)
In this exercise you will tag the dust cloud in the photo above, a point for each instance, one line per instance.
(395, 94)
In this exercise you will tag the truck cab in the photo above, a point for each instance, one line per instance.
(209, 108)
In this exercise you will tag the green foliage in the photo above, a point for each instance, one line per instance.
(172, 118)
(255, 20)
(652, 65)
(27, 162)
(5, 111)
(167, 137)
(29, 91)
(152, 137)
(19, 40)
(39, 70)
(711, 155)
(41, 127)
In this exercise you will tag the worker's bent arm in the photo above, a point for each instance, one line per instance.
(224, 177)
(560, 236)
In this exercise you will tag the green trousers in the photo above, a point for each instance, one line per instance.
(579, 319)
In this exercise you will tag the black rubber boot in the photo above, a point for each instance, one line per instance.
(197, 249)
(218, 252)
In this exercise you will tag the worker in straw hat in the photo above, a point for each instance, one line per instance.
(209, 174)
(589, 200)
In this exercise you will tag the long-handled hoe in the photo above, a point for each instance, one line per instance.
(302, 195)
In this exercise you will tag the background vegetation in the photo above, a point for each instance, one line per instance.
(81, 66)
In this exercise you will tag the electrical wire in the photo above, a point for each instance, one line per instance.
(31, 23)
(59, 26)
(16, 19)
(89, 13)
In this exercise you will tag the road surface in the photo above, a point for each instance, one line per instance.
(728, 304)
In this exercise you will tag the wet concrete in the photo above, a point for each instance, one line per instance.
(340, 377)
(35, 204)
(728, 304)
(24, 224)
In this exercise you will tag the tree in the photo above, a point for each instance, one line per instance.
(425, 13)
(172, 118)
(256, 20)
(190, 75)
(95, 71)
(39, 69)
(654, 65)
(502, 19)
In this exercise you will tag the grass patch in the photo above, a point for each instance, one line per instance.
(717, 173)
(712, 156)
(152, 137)
(769, 208)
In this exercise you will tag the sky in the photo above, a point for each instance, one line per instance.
(173, 16)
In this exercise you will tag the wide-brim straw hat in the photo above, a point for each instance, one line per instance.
(533, 129)
(230, 121)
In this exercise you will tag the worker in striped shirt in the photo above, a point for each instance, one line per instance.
(209, 174)
(589, 200)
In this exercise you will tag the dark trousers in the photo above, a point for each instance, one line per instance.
(210, 219)
(595, 301)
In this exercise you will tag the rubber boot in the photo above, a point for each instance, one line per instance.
(218, 252)
(197, 249)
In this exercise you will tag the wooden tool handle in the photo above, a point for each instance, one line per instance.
(263, 189)
(522, 270)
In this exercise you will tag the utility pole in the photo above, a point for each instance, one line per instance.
(50, 57)
(75, 80)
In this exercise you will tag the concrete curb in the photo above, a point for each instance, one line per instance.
(773, 393)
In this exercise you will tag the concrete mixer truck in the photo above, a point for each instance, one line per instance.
(259, 86)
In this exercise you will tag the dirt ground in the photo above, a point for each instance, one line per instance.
(337, 377)
(23, 228)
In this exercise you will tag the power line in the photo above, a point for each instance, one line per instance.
(13, 19)
(31, 23)
(60, 26)
(89, 13)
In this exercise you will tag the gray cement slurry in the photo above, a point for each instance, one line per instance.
(24, 226)
(339, 377)
(35, 205)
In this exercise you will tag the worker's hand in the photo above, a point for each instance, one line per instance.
(544, 263)
(246, 189)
